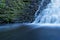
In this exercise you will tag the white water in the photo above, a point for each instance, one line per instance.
(49, 15)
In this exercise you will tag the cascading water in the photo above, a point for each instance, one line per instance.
(49, 15)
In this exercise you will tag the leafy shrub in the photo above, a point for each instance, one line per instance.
(11, 9)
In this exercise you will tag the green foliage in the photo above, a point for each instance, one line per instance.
(10, 10)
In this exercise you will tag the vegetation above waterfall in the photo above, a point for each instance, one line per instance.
(10, 10)
(17, 10)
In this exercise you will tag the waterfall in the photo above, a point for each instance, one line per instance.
(51, 14)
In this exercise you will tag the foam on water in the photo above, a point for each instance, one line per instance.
(49, 15)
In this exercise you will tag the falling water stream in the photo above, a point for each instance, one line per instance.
(42, 28)
(49, 15)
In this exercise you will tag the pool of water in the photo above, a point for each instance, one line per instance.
(30, 32)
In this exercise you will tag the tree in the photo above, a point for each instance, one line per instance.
(10, 9)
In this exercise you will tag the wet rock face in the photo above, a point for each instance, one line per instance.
(32, 8)
(29, 10)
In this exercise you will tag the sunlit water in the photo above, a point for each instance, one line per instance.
(49, 15)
